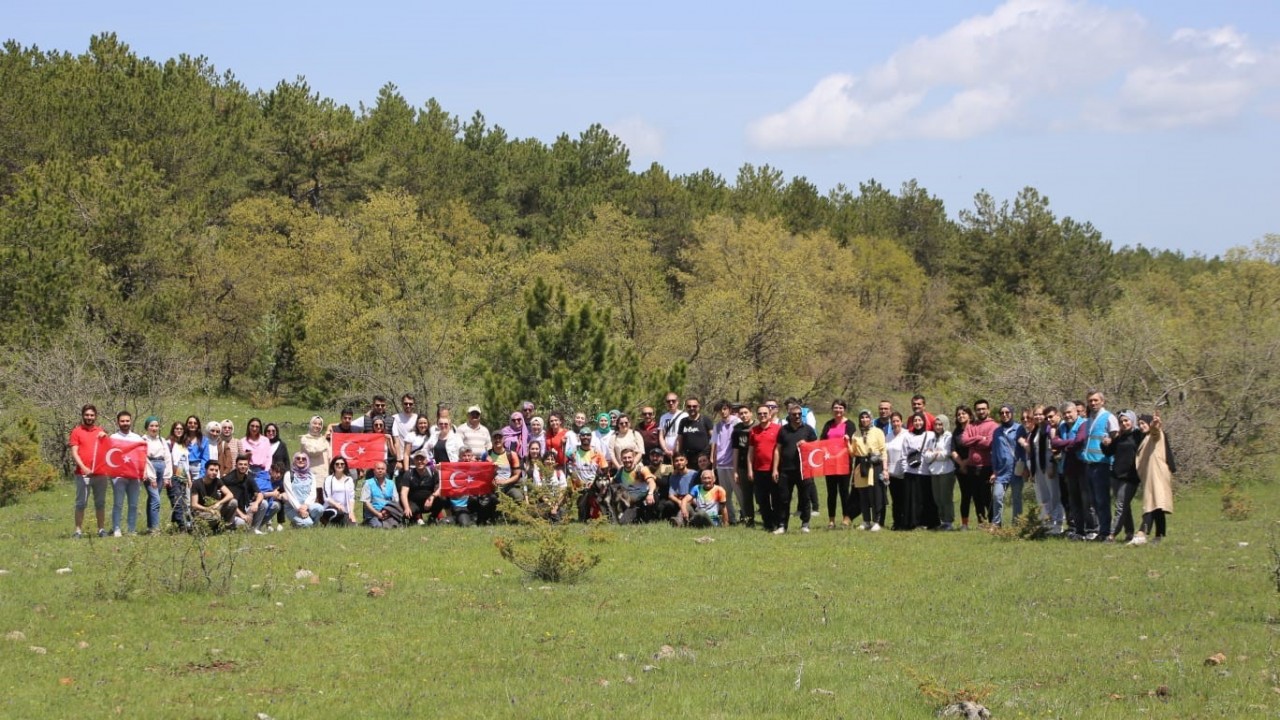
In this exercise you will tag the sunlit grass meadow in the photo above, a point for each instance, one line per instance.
(431, 622)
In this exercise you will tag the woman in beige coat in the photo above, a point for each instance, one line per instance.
(1155, 469)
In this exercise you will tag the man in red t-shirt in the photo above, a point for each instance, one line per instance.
(761, 442)
(84, 445)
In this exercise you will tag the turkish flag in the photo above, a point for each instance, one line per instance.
(824, 457)
(464, 479)
(361, 450)
(119, 458)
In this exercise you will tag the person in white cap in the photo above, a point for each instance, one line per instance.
(474, 435)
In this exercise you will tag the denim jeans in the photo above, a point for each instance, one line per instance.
(998, 490)
(314, 510)
(1016, 485)
(1098, 476)
(120, 488)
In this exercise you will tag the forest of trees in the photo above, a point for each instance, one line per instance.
(165, 230)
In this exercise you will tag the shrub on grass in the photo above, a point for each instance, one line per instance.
(1236, 505)
(1027, 527)
(539, 546)
(22, 470)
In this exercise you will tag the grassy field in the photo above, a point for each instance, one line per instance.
(831, 624)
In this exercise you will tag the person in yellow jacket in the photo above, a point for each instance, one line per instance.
(871, 466)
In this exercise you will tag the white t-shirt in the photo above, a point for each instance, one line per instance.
(668, 424)
(403, 424)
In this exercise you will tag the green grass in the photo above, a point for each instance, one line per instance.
(759, 624)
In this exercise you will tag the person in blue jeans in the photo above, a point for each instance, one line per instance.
(1003, 461)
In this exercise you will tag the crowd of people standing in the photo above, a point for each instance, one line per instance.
(741, 465)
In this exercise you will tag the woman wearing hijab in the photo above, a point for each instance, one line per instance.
(602, 440)
(300, 504)
(160, 458)
(1155, 468)
(942, 473)
(1123, 451)
(513, 435)
(315, 444)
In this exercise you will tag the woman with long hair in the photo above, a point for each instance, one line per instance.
(180, 484)
(199, 451)
(339, 496)
(1043, 470)
(969, 490)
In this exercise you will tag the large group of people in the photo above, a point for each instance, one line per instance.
(740, 465)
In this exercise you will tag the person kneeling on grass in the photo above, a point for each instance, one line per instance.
(706, 505)
(300, 504)
(211, 501)
(634, 490)
(250, 511)
(378, 495)
(419, 489)
(682, 482)
(272, 489)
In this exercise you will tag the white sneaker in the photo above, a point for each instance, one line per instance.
(117, 533)
(256, 531)
(875, 527)
(1138, 540)
(864, 526)
(780, 531)
(279, 527)
(268, 528)
(804, 528)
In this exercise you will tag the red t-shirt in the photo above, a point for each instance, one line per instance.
(85, 441)
(556, 443)
(763, 440)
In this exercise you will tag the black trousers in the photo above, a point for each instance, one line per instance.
(747, 486)
(838, 489)
(899, 498)
(789, 480)
(764, 489)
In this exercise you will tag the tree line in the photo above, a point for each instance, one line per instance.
(165, 230)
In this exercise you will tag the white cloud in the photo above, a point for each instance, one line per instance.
(1033, 63)
(645, 141)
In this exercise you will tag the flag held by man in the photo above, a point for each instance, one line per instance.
(120, 458)
(467, 479)
(361, 450)
(824, 457)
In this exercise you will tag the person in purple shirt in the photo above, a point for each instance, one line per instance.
(723, 456)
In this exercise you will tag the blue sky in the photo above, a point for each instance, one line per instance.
(1159, 122)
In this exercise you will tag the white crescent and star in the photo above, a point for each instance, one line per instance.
(825, 455)
(110, 462)
(342, 451)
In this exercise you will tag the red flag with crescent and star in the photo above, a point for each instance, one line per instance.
(464, 479)
(361, 450)
(119, 458)
(824, 457)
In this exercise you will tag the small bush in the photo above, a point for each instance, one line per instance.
(539, 546)
(1027, 527)
(1236, 505)
(22, 470)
